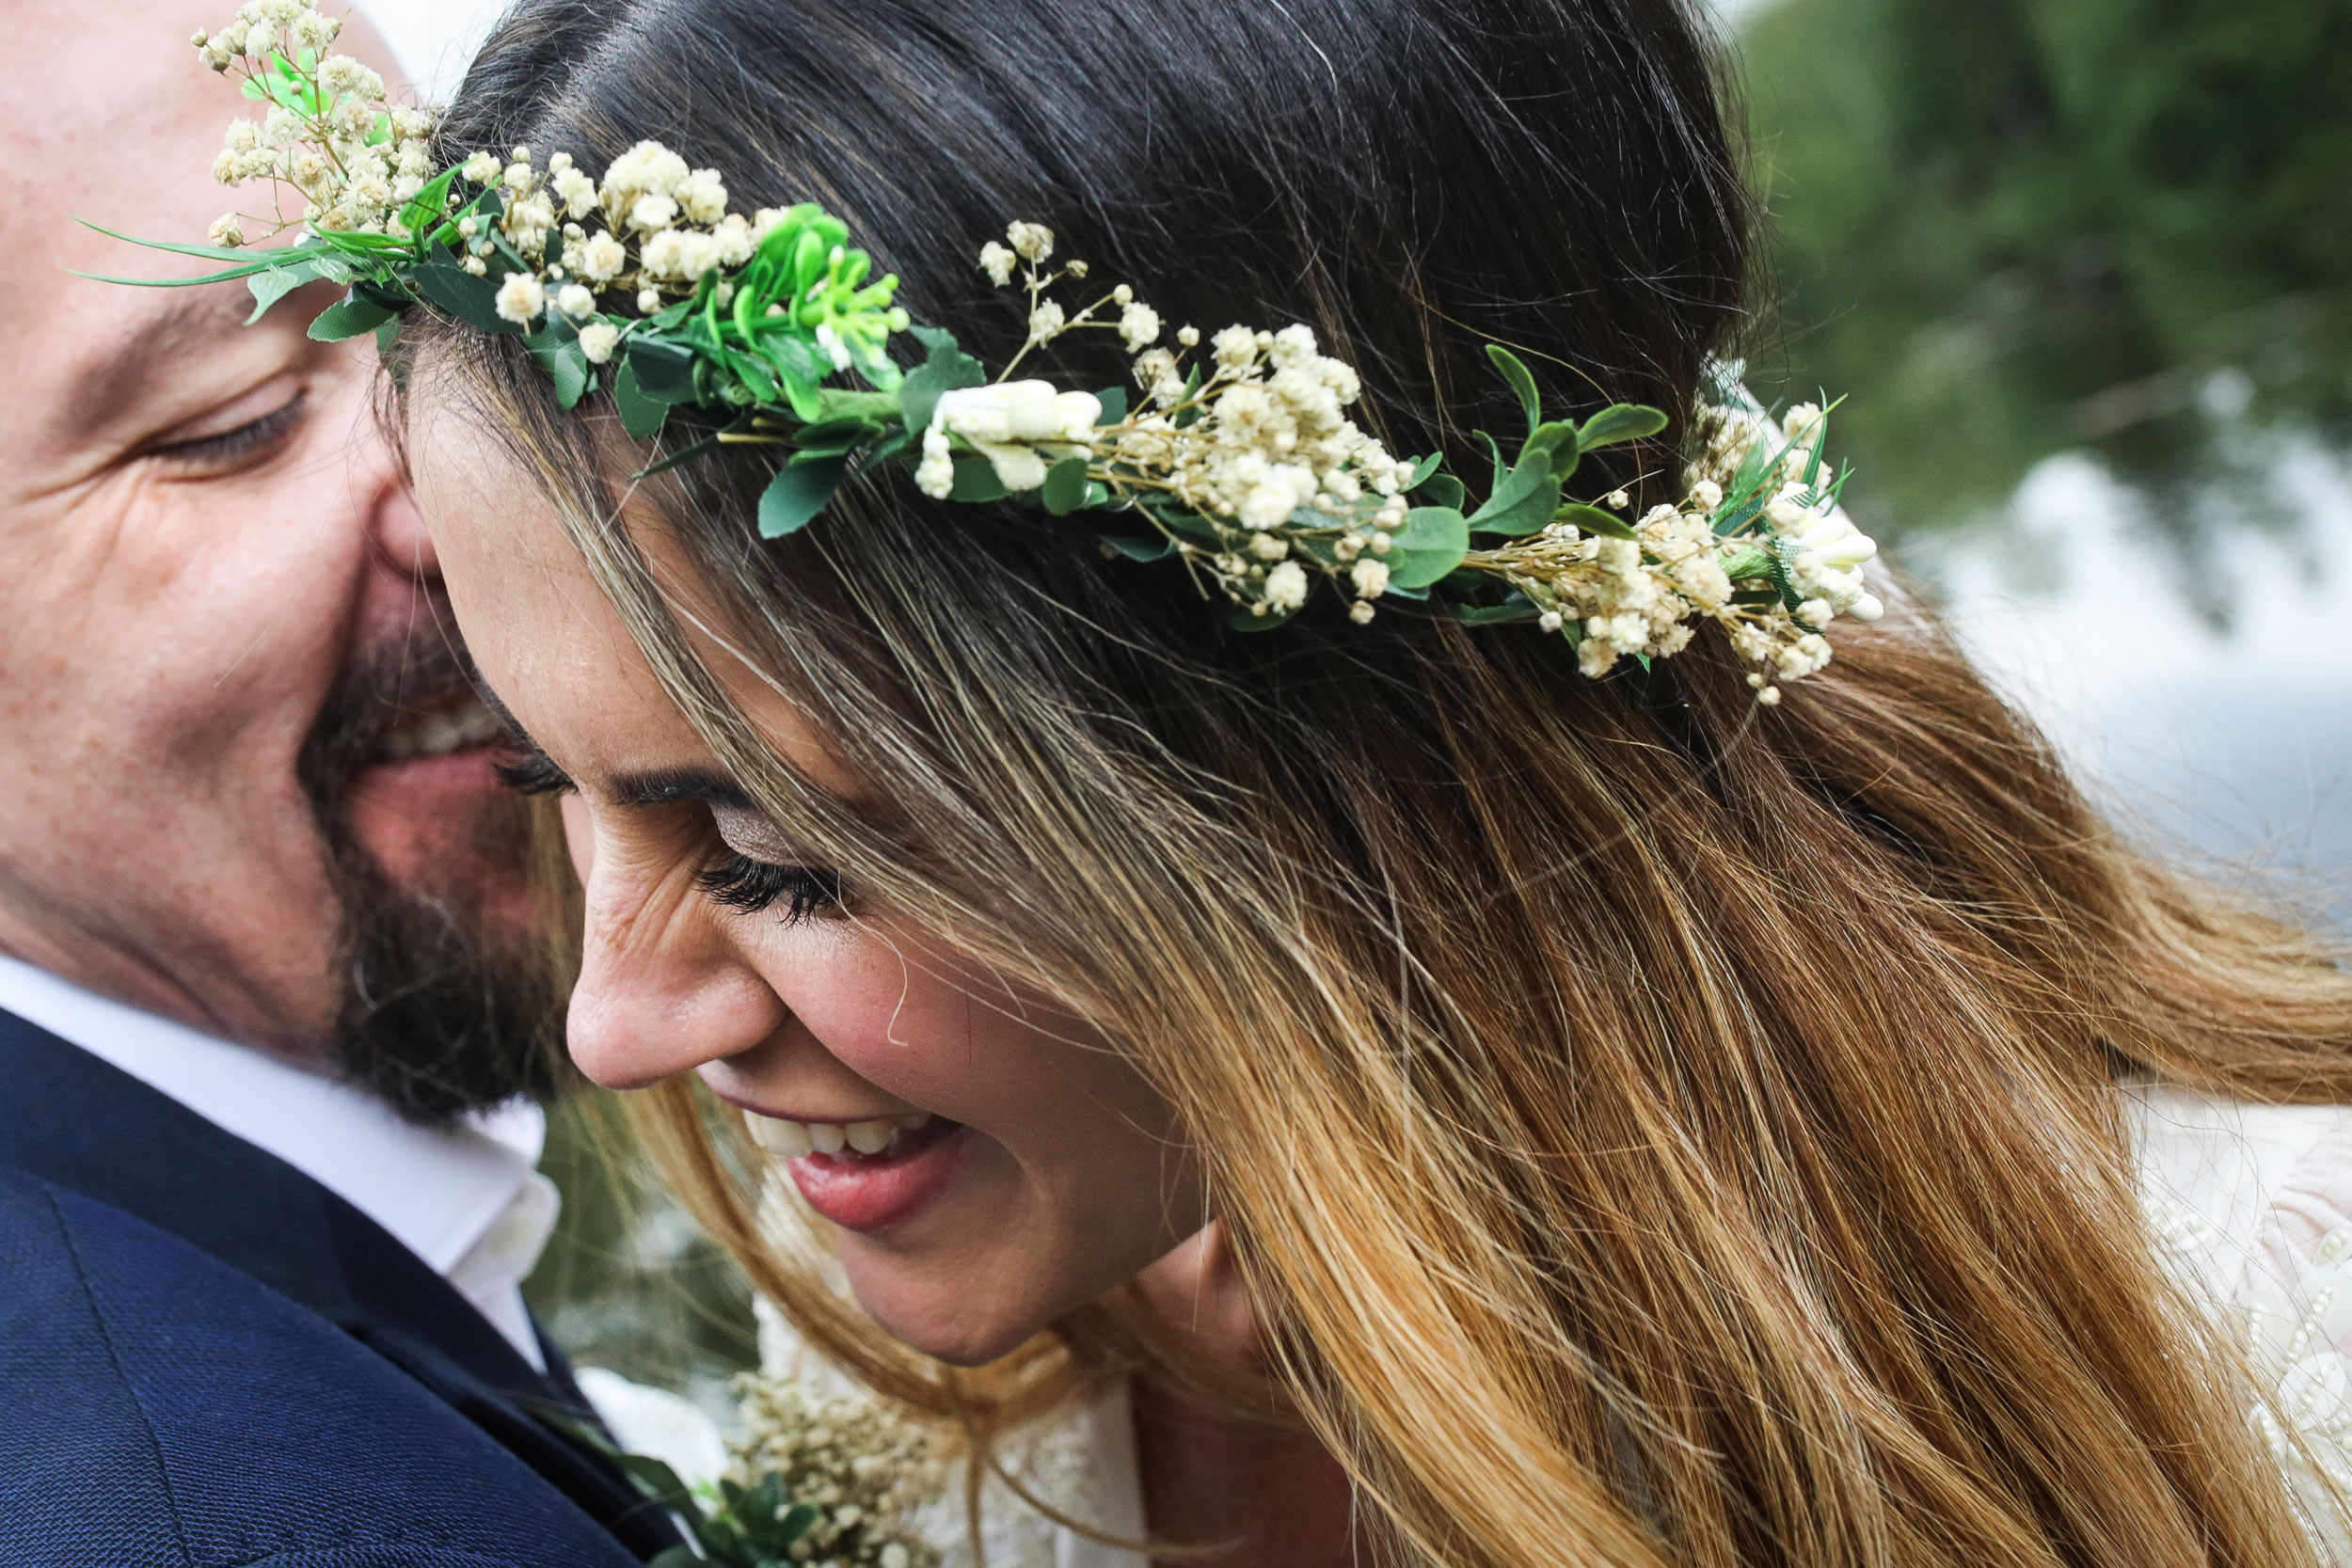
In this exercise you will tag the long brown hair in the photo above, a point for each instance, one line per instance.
(1699, 1129)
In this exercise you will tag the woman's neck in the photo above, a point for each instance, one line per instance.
(1253, 1492)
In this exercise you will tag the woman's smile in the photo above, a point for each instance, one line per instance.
(866, 1175)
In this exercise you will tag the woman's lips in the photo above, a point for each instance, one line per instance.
(865, 1192)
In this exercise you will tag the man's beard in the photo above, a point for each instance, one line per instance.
(442, 1012)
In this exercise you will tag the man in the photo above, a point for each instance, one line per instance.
(265, 929)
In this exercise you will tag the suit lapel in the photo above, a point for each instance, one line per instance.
(84, 1124)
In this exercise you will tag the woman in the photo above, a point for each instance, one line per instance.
(1488, 1114)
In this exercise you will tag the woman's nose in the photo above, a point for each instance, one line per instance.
(661, 997)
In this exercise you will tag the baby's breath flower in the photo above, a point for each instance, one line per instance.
(227, 230)
(703, 196)
(521, 297)
(1046, 322)
(482, 169)
(1139, 325)
(1032, 242)
(576, 300)
(997, 263)
(1286, 586)
(648, 301)
(1189, 335)
(1370, 576)
(599, 258)
(598, 340)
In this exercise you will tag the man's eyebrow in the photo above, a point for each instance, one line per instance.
(189, 321)
(671, 786)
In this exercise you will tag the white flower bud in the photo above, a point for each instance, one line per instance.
(597, 340)
(521, 297)
(1371, 577)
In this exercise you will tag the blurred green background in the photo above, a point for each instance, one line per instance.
(2084, 268)
(2011, 228)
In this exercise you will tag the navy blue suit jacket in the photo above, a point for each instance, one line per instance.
(207, 1359)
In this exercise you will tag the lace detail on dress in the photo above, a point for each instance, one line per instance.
(2295, 1339)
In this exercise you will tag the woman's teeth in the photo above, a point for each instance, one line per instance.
(792, 1139)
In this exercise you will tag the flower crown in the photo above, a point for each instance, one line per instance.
(1235, 457)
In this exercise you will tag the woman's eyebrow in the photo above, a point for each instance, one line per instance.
(670, 786)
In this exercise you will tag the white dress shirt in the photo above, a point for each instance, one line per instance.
(465, 1199)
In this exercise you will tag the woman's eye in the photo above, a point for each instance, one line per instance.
(229, 448)
(532, 771)
(743, 883)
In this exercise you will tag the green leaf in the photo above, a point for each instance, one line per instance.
(1431, 544)
(1620, 421)
(947, 369)
(1065, 489)
(1141, 550)
(1593, 519)
(976, 481)
(676, 1557)
(385, 336)
(1522, 381)
(1560, 439)
(797, 493)
(349, 318)
(1441, 490)
(653, 1478)
(565, 362)
(642, 416)
(1424, 469)
(664, 373)
(458, 293)
(1523, 502)
(1494, 614)
(798, 1521)
(1114, 402)
(272, 286)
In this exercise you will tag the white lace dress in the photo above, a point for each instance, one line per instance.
(2251, 1205)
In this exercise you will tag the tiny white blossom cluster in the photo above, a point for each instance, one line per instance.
(329, 134)
(864, 1468)
(1256, 443)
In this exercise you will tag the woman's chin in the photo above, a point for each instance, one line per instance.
(944, 1327)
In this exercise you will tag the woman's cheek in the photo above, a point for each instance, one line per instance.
(876, 1009)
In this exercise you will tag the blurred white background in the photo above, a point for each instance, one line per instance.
(2234, 749)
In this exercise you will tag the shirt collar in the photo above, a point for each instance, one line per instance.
(465, 1199)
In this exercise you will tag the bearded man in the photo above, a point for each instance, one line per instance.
(269, 1025)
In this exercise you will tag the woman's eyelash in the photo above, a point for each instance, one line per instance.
(743, 883)
(229, 445)
(533, 773)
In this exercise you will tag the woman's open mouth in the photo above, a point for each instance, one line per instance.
(864, 1175)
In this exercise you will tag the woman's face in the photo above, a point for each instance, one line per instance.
(986, 1163)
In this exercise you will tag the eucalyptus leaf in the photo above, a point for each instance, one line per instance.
(1522, 381)
(270, 286)
(457, 293)
(947, 369)
(1114, 402)
(1620, 421)
(565, 362)
(1431, 544)
(1495, 614)
(1140, 549)
(1424, 469)
(663, 371)
(976, 481)
(1441, 490)
(1594, 520)
(1065, 489)
(797, 493)
(642, 416)
(1523, 502)
(349, 318)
